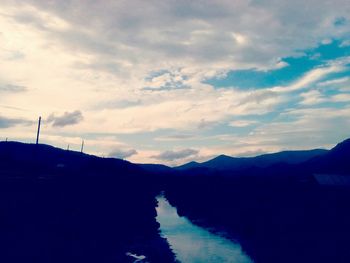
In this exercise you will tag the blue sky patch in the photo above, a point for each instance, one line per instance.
(297, 67)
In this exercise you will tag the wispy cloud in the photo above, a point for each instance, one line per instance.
(68, 118)
(333, 82)
(310, 78)
(11, 122)
(10, 88)
(175, 155)
(242, 123)
(122, 153)
(175, 137)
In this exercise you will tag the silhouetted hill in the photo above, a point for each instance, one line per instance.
(15, 155)
(189, 165)
(156, 168)
(64, 206)
(337, 160)
(224, 162)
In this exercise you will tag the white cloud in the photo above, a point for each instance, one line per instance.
(311, 77)
(312, 97)
(342, 97)
(241, 123)
(334, 82)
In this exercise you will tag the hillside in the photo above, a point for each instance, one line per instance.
(65, 206)
(41, 157)
(337, 160)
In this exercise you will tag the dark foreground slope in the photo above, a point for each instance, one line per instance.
(282, 213)
(63, 206)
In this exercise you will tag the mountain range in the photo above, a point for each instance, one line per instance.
(335, 160)
(224, 162)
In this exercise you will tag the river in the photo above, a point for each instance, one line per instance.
(194, 244)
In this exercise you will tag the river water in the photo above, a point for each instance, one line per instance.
(194, 244)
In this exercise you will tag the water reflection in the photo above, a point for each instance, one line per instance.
(193, 244)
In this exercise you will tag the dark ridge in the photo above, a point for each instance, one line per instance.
(46, 157)
(156, 168)
(224, 162)
(342, 148)
(189, 165)
(336, 161)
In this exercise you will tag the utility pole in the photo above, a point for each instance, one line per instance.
(82, 146)
(38, 133)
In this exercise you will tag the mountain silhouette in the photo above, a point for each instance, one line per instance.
(68, 206)
(337, 160)
(17, 156)
(224, 162)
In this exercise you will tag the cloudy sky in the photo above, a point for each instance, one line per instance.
(172, 81)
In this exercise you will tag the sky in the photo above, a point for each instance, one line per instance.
(169, 82)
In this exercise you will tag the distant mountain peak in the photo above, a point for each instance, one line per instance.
(342, 145)
(193, 162)
(189, 165)
(223, 156)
